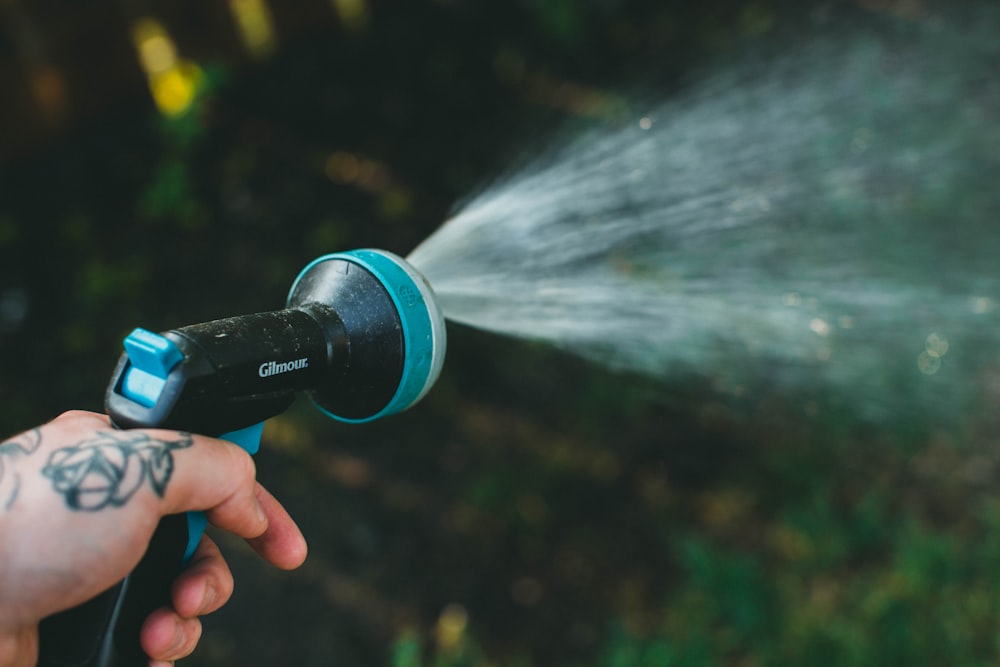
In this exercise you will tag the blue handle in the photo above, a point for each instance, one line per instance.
(249, 439)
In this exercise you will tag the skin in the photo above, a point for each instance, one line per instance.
(67, 534)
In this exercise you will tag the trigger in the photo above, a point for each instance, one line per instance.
(248, 438)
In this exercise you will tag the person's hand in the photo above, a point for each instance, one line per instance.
(79, 502)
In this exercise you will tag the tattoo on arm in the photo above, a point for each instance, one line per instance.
(11, 451)
(110, 467)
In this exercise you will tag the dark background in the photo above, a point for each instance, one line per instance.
(533, 509)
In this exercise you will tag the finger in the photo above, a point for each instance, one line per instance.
(166, 636)
(193, 472)
(222, 482)
(206, 584)
(282, 544)
(217, 477)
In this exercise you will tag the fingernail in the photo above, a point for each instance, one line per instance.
(260, 513)
(178, 641)
(207, 600)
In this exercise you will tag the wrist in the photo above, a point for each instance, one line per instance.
(19, 648)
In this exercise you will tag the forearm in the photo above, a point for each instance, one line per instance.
(19, 648)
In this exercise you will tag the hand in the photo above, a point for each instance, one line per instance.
(79, 502)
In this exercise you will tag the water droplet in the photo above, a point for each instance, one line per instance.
(792, 299)
(982, 305)
(936, 345)
(928, 363)
(819, 326)
(861, 140)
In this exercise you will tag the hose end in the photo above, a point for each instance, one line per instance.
(404, 319)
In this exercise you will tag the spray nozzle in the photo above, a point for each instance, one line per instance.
(385, 331)
(362, 333)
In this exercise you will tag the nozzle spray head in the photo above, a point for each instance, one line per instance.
(361, 333)
(387, 332)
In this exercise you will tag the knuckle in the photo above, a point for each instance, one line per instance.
(244, 467)
(74, 415)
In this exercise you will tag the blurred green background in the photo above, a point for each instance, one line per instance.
(164, 163)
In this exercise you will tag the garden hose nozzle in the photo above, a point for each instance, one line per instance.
(361, 333)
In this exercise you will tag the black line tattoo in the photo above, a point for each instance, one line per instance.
(109, 468)
(12, 451)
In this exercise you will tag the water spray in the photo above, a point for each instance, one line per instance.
(361, 333)
(819, 223)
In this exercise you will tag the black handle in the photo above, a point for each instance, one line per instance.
(233, 372)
